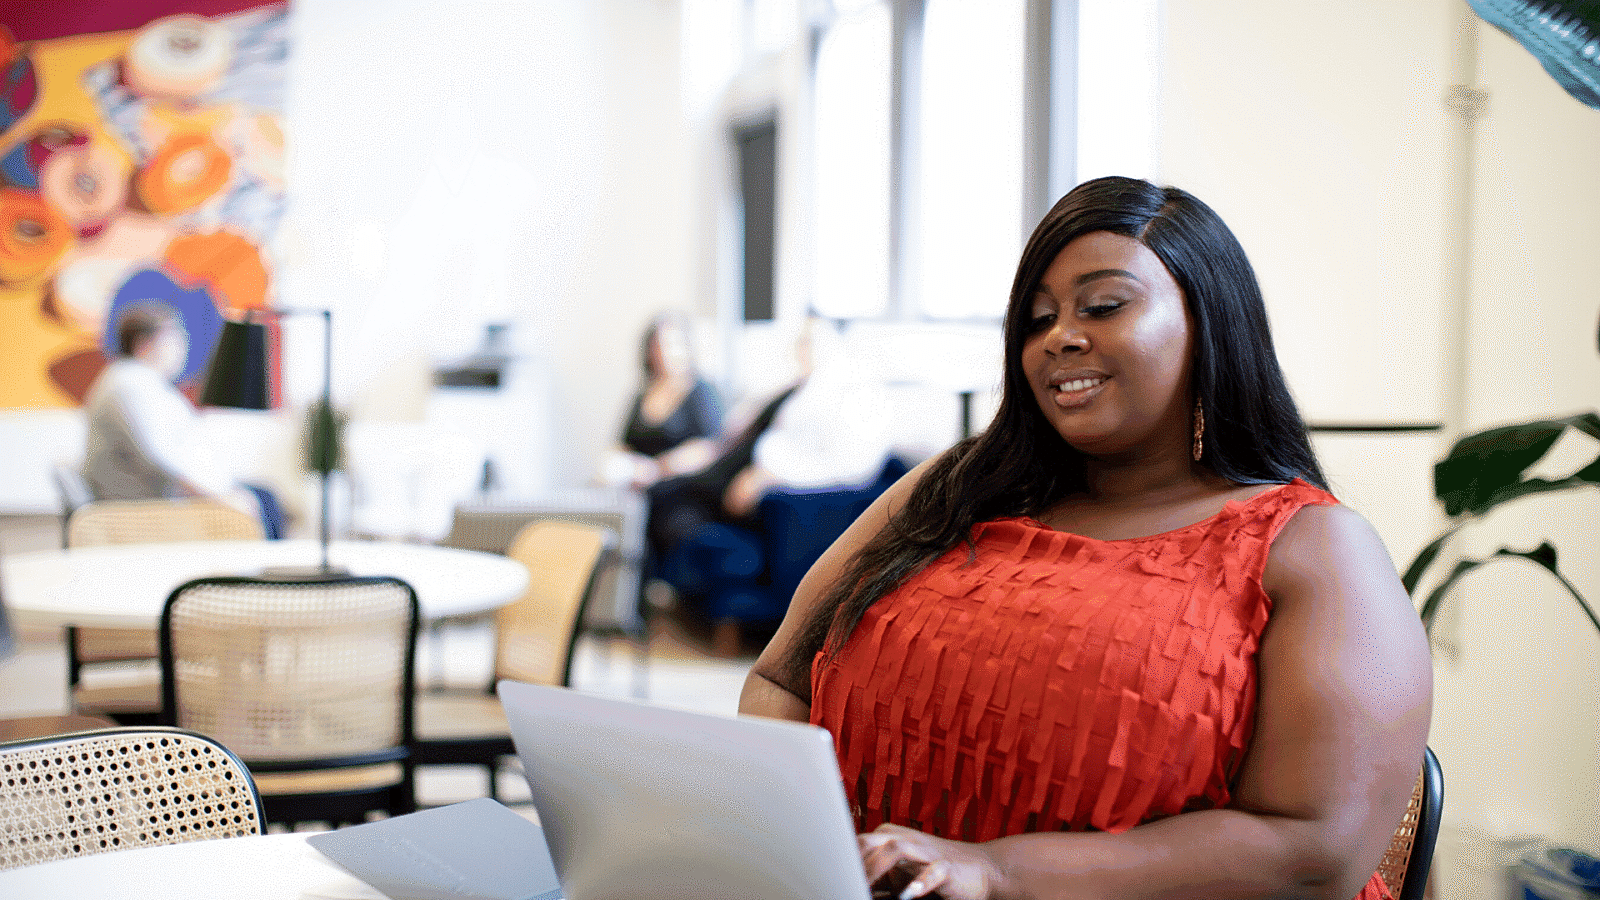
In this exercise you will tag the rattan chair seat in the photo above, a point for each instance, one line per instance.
(445, 714)
(320, 781)
(1405, 863)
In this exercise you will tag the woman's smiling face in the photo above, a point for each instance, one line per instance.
(1109, 347)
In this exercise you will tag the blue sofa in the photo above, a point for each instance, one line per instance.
(731, 574)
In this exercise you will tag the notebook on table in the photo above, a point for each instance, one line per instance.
(474, 850)
(639, 801)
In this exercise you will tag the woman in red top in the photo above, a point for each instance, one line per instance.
(1123, 643)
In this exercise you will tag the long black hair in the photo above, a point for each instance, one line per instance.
(1019, 465)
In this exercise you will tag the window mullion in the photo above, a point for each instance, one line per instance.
(905, 99)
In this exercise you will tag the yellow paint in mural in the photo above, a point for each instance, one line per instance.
(30, 338)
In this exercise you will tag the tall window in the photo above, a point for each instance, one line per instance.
(851, 97)
(969, 195)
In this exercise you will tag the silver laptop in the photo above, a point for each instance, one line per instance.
(640, 802)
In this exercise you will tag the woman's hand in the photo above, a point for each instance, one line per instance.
(921, 865)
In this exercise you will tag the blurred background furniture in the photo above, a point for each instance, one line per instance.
(1406, 862)
(492, 523)
(309, 681)
(126, 586)
(738, 577)
(135, 697)
(24, 728)
(95, 792)
(17, 728)
(71, 490)
(534, 640)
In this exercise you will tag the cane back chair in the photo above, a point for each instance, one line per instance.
(309, 680)
(1405, 864)
(535, 636)
(135, 696)
(97, 791)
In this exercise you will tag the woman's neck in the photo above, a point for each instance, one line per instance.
(1163, 476)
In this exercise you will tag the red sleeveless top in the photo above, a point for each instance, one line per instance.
(1057, 681)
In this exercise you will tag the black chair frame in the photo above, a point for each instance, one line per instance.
(337, 808)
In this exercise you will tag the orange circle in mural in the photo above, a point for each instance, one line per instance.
(32, 237)
(184, 174)
(228, 263)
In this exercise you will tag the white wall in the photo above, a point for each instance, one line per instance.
(465, 163)
(1323, 137)
(1522, 685)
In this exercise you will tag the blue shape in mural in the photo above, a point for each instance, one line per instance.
(196, 309)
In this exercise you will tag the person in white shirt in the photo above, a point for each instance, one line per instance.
(144, 441)
(831, 433)
(827, 431)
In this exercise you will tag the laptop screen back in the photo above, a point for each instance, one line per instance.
(642, 801)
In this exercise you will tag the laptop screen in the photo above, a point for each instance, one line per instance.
(638, 800)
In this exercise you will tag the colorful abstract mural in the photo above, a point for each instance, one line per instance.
(141, 159)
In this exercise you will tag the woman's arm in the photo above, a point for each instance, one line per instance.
(767, 690)
(1342, 717)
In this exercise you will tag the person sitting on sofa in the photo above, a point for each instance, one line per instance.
(825, 431)
(676, 418)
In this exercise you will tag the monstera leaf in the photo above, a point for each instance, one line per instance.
(1487, 469)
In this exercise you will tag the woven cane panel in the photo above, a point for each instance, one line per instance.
(159, 521)
(97, 793)
(147, 522)
(1398, 856)
(291, 671)
(532, 633)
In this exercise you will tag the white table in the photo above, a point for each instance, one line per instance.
(265, 867)
(126, 585)
(476, 848)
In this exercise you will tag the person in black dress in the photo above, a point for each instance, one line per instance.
(675, 420)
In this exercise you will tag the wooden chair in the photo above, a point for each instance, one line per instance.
(97, 791)
(534, 641)
(135, 697)
(309, 681)
(1405, 864)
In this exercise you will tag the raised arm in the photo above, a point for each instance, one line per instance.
(1342, 718)
(769, 690)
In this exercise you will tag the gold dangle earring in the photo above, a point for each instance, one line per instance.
(1199, 429)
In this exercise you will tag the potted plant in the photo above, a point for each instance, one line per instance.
(1485, 470)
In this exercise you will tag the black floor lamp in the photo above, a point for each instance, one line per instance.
(238, 377)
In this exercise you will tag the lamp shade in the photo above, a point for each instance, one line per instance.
(237, 375)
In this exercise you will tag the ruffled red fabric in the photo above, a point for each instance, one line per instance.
(1057, 681)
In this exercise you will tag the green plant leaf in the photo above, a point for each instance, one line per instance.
(1534, 486)
(1588, 423)
(1430, 606)
(324, 438)
(1485, 469)
(1424, 559)
(1543, 555)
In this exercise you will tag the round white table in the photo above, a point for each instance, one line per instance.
(126, 585)
(264, 867)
